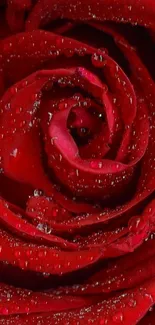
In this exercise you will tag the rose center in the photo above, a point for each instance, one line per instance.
(83, 124)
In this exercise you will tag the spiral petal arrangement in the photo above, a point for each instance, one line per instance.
(77, 162)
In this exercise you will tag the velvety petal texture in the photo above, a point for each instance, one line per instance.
(77, 162)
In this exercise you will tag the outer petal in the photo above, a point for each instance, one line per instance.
(129, 308)
(141, 12)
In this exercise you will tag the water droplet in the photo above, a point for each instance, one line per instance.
(14, 90)
(132, 303)
(46, 275)
(29, 252)
(40, 226)
(81, 51)
(54, 212)
(48, 86)
(82, 132)
(68, 53)
(8, 106)
(96, 164)
(18, 225)
(149, 297)
(14, 152)
(117, 318)
(62, 105)
(21, 124)
(18, 110)
(97, 60)
(42, 253)
(54, 54)
(63, 82)
(100, 164)
(77, 96)
(17, 253)
(27, 309)
(93, 164)
(23, 264)
(136, 223)
(59, 41)
(38, 193)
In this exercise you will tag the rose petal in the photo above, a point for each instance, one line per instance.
(42, 258)
(25, 229)
(141, 13)
(21, 301)
(129, 307)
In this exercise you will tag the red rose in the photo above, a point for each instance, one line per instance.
(77, 162)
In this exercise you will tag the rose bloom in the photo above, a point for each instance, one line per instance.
(77, 162)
